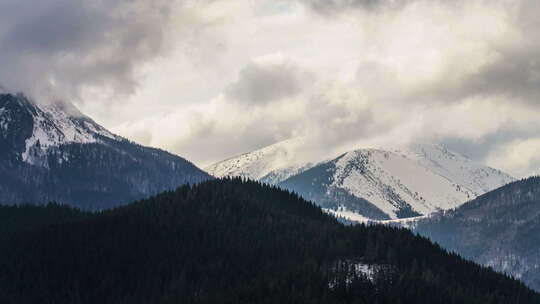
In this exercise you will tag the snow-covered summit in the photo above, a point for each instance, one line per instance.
(52, 152)
(424, 178)
(46, 126)
(396, 183)
(271, 164)
(457, 167)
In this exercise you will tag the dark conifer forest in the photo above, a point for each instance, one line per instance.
(229, 241)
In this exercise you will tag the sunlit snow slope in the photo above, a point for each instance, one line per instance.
(373, 183)
(271, 164)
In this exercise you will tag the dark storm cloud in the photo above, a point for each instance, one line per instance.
(58, 47)
(260, 84)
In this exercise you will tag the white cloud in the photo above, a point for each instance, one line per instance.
(229, 77)
(519, 156)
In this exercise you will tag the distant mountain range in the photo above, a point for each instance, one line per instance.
(500, 229)
(55, 153)
(372, 184)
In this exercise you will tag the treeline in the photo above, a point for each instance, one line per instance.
(231, 241)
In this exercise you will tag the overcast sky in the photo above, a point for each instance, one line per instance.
(209, 79)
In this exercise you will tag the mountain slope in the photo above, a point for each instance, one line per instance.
(55, 153)
(271, 164)
(232, 241)
(400, 183)
(500, 229)
(371, 183)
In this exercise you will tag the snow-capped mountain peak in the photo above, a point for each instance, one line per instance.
(457, 167)
(270, 164)
(46, 126)
(378, 184)
(52, 152)
(424, 178)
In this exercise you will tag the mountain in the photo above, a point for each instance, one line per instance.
(500, 229)
(271, 164)
(55, 153)
(372, 184)
(230, 241)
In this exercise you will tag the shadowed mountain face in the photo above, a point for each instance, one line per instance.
(500, 229)
(55, 153)
(229, 241)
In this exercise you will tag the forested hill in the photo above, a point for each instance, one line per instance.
(231, 241)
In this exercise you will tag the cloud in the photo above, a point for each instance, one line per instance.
(260, 83)
(363, 74)
(211, 79)
(57, 48)
(516, 72)
(518, 156)
(333, 6)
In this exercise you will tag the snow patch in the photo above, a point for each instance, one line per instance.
(347, 271)
(96, 129)
(349, 215)
(343, 212)
(4, 120)
(52, 127)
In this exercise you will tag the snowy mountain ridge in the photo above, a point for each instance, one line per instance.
(457, 167)
(427, 178)
(53, 125)
(395, 183)
(52, 152)
(272, 164)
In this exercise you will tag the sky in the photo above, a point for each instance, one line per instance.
(210, 79)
